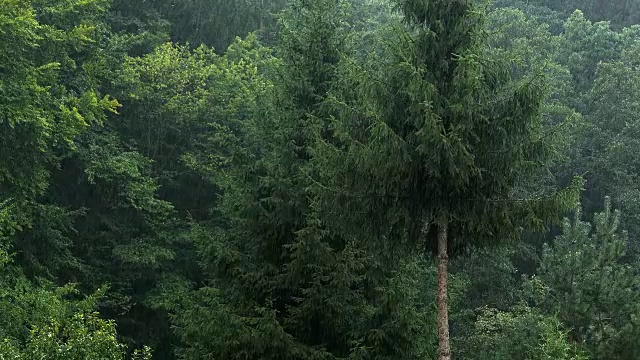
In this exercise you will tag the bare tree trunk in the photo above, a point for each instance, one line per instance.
(444, 350)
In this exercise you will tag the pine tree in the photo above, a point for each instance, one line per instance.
(592, 286)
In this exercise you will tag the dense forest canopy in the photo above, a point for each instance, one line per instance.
(319, 179)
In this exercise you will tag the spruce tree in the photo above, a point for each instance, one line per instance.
(436, 145)
(286, 283)
(266, 256)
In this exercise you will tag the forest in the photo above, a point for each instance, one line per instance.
(319, 179)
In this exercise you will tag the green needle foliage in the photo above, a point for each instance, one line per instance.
(287, 286)
(445, 132)
(593, 287)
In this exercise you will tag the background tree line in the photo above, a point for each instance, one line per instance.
(328, 179)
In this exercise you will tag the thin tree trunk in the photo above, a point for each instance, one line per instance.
(444, 350)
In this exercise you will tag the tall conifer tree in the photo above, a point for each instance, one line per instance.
(436, 144)
(287, 284)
